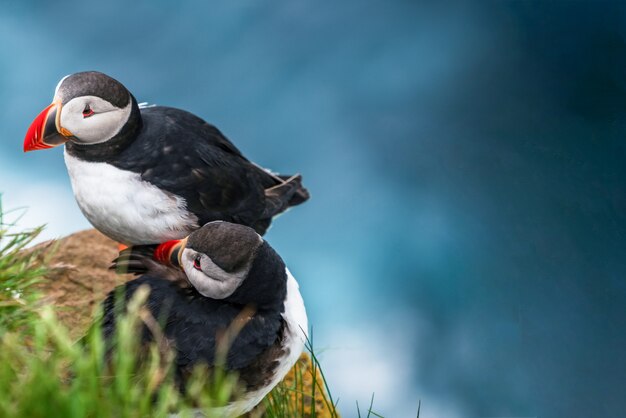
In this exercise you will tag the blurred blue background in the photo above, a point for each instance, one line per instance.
(465, 243)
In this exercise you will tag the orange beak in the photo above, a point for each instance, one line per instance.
(45, 131)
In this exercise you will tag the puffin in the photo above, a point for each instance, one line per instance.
(224, 276)
(150, 174)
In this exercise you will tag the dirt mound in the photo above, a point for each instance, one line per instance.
(80, 278)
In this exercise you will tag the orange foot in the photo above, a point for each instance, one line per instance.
(121, 247)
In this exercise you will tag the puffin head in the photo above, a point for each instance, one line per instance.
(229, 261)
(88, 108)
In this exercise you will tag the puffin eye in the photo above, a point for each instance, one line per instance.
(87, 111)
(196, 263)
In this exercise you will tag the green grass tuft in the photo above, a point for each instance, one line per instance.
(19, 271)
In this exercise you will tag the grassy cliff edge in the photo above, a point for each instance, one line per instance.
(49, 298)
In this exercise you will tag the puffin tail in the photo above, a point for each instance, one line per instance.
(281, 193)
(300, 193)
(284, 192)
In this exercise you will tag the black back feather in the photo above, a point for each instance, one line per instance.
(192, 324)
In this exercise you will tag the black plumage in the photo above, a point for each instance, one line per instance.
(192, 324)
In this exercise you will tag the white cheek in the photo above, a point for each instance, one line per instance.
(208, 287)
(212, 282)
(100, 127)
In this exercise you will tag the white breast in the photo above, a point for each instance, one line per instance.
(124, 207)
(297, 328)
(295, 336)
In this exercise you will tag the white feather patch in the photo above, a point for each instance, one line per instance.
(296, 333)
(124, 207)
(106, 121)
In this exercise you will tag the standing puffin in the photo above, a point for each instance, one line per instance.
(146, 175)
(230, 277)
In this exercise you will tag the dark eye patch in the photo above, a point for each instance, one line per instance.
(87, 111)
(197, 263)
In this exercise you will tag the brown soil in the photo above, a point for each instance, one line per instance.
(80, 279)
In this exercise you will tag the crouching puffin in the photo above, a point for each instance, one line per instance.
(146, 175)
(222, 275)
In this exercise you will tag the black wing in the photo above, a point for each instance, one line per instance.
(196, 161)
(193, 323)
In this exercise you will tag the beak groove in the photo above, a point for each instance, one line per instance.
(43, 132)
(170, 252)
